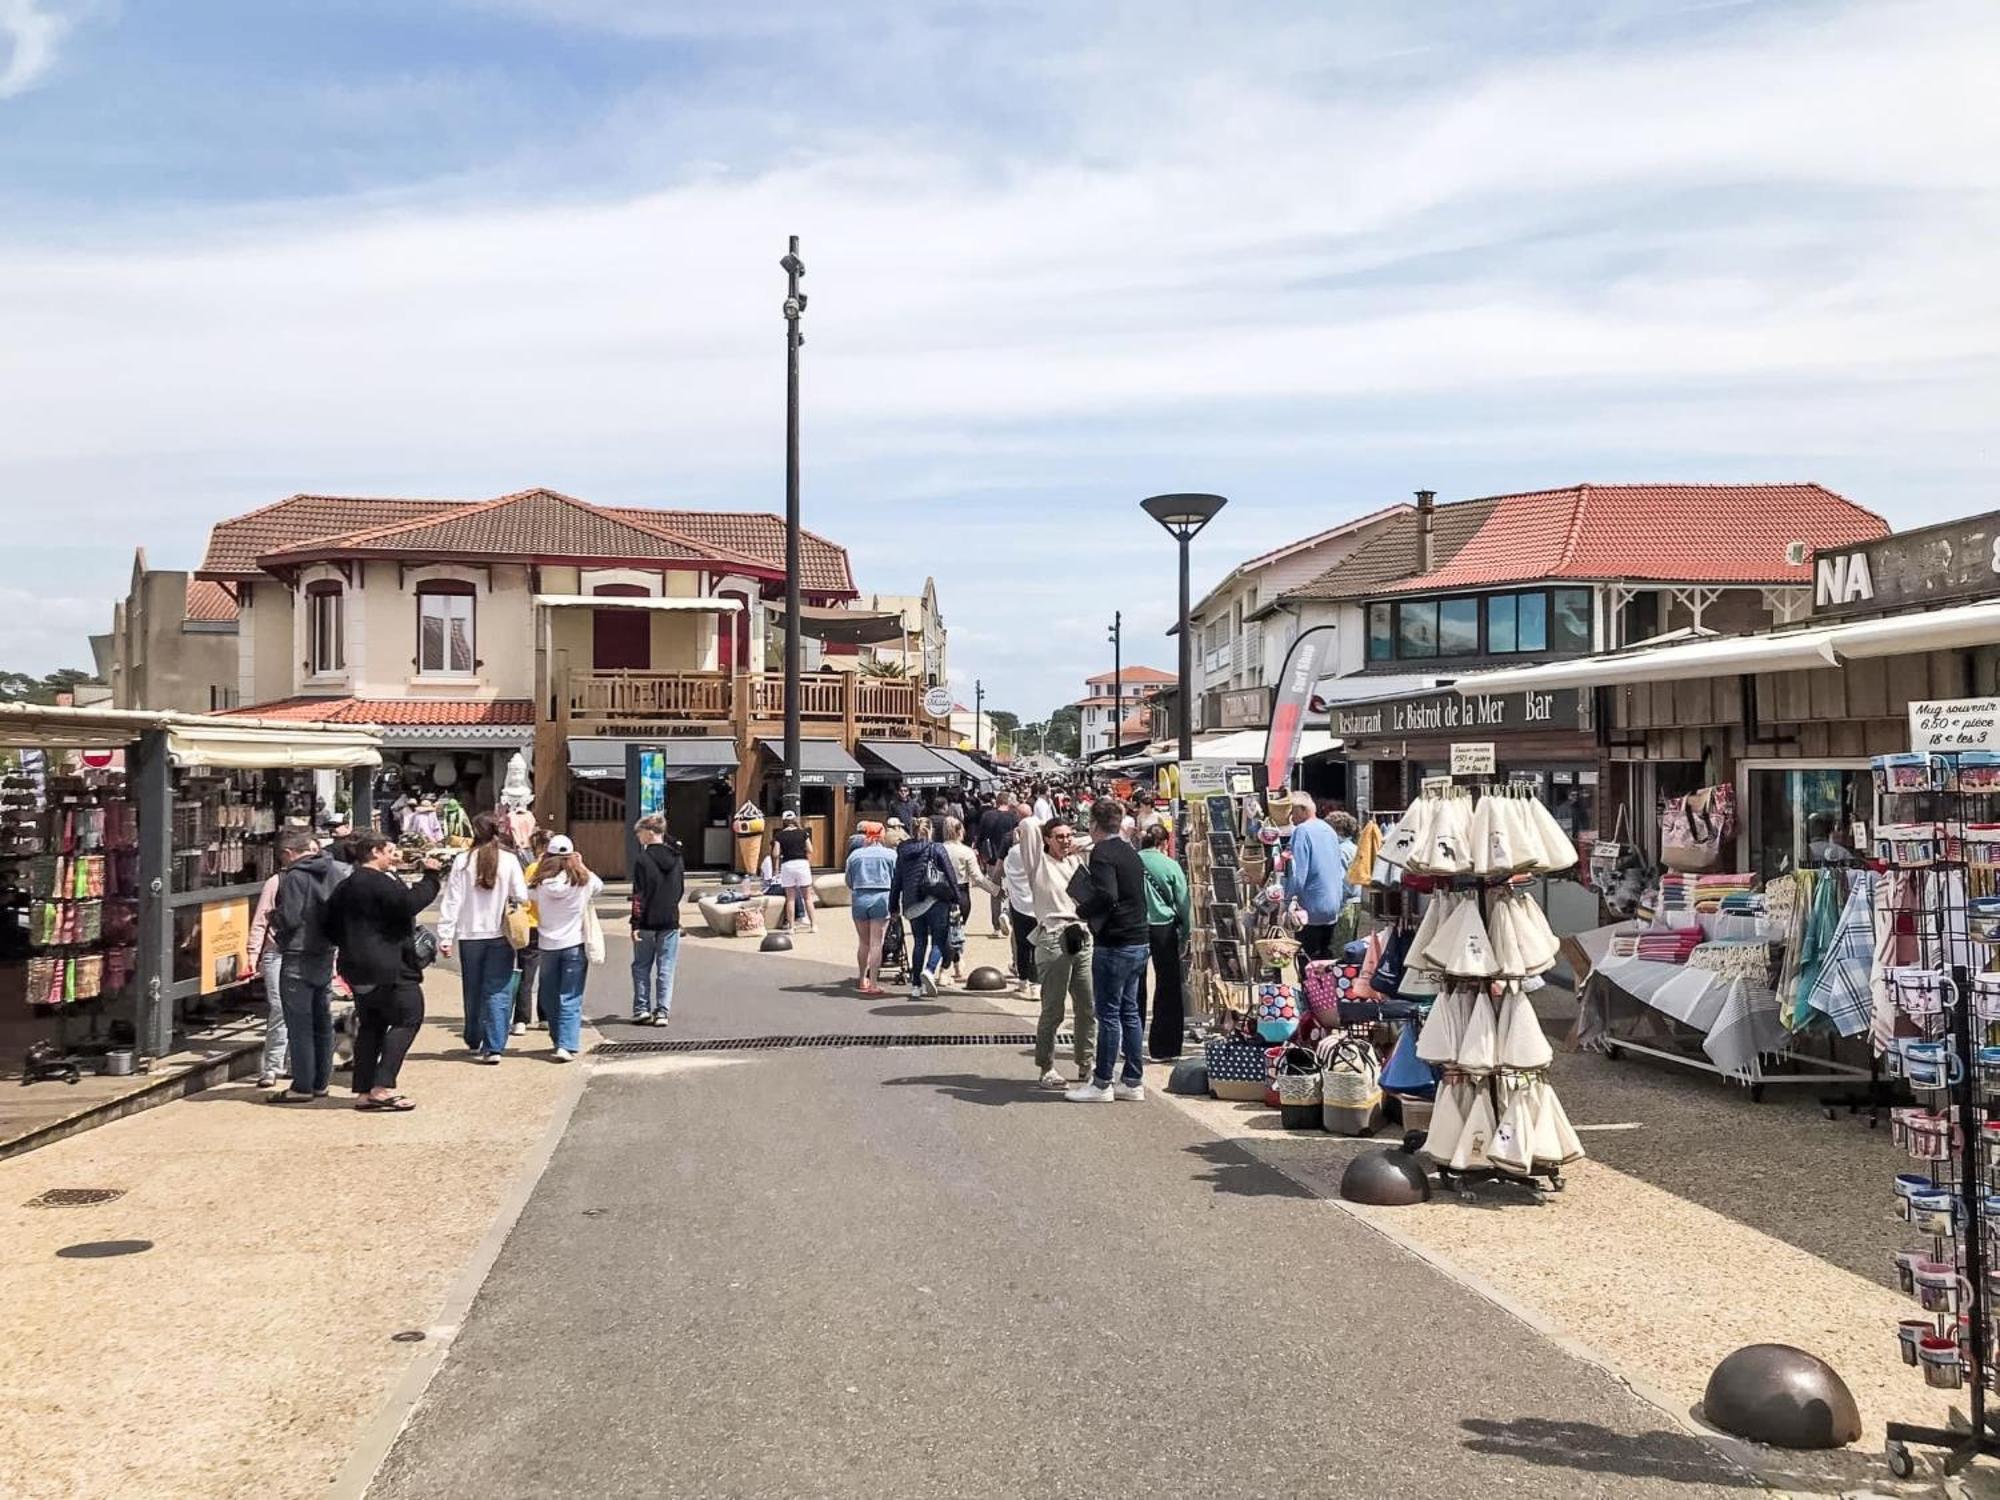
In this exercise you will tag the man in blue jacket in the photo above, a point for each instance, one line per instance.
(1316, 878)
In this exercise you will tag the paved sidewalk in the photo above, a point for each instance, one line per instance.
(243, 1353)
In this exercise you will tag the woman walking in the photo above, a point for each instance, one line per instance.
(871, 871)
(564, 889)
(529, 959)
(1168, 924)
(484, 883)
(265, 955)
(926, 890)
(792, 846)
(372, 916)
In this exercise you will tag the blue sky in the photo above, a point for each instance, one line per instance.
(1062, 256)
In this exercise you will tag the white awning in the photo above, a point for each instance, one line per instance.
(226, 742)
(1247, 745)
(698, 604)
(1812, 647)
(235, 747)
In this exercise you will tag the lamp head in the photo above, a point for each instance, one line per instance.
(1183, 515)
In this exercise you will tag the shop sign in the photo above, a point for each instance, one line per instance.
(1434, 784)
(1201, 777)
(937, 702)
(1241, 782)
(1441, 713)
(225, 945)
(1244, 708)
(1955, 724)
(1473, 759)
(1954, 562)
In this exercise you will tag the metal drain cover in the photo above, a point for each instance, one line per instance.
(839, 1039)
(74, 1197)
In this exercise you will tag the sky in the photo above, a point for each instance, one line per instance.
(1061, 256)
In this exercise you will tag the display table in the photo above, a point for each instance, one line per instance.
(1738, 1021)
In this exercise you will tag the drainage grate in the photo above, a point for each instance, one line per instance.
(787, 1043)
(74, 1197)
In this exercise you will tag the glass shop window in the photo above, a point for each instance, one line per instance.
(1807, 818)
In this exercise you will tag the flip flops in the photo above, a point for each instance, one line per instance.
(394, 1105)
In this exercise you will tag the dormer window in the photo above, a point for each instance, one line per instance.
(326, 641)
(445, 624)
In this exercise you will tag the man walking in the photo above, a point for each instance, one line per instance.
(1316, 878)
(372, 917)
(305, 962)
(991, 840)
(659, 881)
(1114, 904)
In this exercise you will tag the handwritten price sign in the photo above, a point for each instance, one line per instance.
(1955, 724)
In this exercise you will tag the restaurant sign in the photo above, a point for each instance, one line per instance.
(1450, 713)
(1244, 708)
(1952, 563)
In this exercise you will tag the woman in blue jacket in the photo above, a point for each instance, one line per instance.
(926, 891)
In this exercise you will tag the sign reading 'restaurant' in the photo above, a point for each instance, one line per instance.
(1450, 713)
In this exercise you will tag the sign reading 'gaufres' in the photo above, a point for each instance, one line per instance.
(1957, 561)
(1450, 713)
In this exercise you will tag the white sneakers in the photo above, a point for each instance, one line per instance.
(1052, 1079)
(930, 982)
(1088, 1092)
(563, 1054)
(520, 1028)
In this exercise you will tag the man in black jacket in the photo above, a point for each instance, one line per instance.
(659, 882)
(1111, 898)
(305, 961)
(372, 916)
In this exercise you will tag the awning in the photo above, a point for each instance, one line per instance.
(1805, 649)
(913, 765)
(698, 604)
(847, 627)
(1246, 746)
(964, 764)
(231, 747)
(821, 763)
(695, 758)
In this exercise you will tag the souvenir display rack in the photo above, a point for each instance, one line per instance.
(226, 824)
(1929, 810)
(69, 886)
(1219, 962)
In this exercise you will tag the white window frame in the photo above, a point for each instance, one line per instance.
(444, 669)
(326, 617)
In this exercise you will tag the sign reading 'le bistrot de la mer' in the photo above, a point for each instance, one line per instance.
(1955, 724)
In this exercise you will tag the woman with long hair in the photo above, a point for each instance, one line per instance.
(484, 883)
(871, 871)
(564, 889)
(927, 891)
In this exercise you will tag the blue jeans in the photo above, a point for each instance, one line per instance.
(654, 957)
(1114, 981)
(308, 1023)
(275, 1049)
(929, 932)
(486, 974)
(563, 972)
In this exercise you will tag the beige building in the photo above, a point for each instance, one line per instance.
(172, 644)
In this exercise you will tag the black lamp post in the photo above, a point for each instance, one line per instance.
(978, 714)
(795, 305)
(1184, 516)
(1116, 635)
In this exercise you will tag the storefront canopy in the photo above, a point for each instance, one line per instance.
(821, 763)
(227, 744)
(913, 765)
(1804, 649)
(1247, 746)
(848, 627)
(696, 758)
(964, 764)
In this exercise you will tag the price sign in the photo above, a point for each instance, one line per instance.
(937, 702)
(1472, 760)
(1955, 724)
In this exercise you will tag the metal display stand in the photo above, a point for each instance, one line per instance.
(1946, 1131)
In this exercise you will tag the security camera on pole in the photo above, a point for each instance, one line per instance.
(795, 306)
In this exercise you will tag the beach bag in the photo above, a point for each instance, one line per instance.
(750, 919)
(593, 935)
(1607, 856)
(519, 925)
(1277, 1012)
(1235, 1068)
(1694, 828)
(1350, 1086)
(1298, 1085)
(1323, 986)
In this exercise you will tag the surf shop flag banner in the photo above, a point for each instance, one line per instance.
(1305, 663)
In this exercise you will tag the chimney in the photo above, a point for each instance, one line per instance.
(1426, 510)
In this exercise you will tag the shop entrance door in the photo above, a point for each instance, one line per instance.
(621, 640)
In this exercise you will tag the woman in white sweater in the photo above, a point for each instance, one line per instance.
(563, 891)
(472, 920)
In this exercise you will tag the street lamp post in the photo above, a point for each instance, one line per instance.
(1117, 639)
(795, 306)
(978, 714)
(1184, 516)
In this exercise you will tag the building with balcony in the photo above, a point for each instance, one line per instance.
(574, 633)
(1112, 711)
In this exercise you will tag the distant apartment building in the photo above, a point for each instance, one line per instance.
(1113, 711)
(172, 645)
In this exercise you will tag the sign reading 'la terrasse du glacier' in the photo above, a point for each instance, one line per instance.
(1449, 713)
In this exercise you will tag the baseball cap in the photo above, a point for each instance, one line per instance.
(561, 844)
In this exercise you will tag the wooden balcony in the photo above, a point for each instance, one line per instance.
(831, 704)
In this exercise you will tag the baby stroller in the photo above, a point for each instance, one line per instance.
(895, 951)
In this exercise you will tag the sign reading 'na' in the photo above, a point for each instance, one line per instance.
(1956, 562)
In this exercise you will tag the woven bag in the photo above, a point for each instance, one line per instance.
(1236, 1068)
(1323, 991)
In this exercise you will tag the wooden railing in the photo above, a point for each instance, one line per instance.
(871, 706)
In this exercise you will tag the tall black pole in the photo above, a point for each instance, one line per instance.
(794, 306)
(978, 714)
(1187, 664)
(1117, 678)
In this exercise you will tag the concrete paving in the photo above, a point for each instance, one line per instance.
(909, 1273)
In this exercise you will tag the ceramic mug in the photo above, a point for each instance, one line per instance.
(1940, 1287)
(1934, 1213)
(1931, 1065)
(1986, 996)
(1943, 1366)
(1906, 1270)
(1909, 1333)
(1920, 991)
(1928, 1137)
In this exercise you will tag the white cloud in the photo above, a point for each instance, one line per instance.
(29, 36)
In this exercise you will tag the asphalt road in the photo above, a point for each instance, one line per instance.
(908, 1273)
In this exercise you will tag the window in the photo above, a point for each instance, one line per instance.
(1803, 819)
(444, 630)
(222, 697)
(1381, 633)
(326, 645)
(1458, 627)
(1570, 629)
(1417, 629)
(1534, 626)
(1502, 615)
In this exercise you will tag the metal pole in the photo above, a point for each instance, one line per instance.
(794, 306)
(1117, 677)
(1187, 664)
(978, 713)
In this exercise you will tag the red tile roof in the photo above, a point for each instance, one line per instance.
(1131, 674)
(1684, 533)
(537, 522)
(209, 602)
(393, 711)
